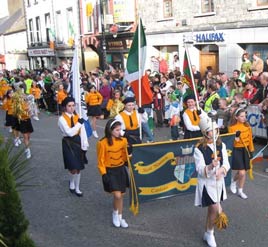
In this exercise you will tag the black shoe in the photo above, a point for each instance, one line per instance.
(72, 190)
(78, 194)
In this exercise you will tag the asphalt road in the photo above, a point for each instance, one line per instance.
(60, 219)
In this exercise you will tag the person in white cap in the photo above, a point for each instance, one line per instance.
(211, 170)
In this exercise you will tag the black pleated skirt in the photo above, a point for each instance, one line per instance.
(117, 179)
(240, 159)
(73, 156)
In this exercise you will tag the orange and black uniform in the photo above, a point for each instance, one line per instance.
(7, 106)
(94, 101)
(111, 161)
(191, 122)
(73, 156)
(243, 146)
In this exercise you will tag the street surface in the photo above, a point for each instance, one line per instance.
(61, 219)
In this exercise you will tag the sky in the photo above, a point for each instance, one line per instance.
(4, 8)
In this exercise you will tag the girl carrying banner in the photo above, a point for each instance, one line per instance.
(112, 156)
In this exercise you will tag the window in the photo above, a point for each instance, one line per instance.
(38, 30)
(262, 2)
(48, 27)
(70, 22)
(31, 30)
(59, 27)
(167, 8)
(207, 6)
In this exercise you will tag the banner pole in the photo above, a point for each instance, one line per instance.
(192, 77)
(139, 56)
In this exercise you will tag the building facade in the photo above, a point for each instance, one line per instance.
(52, 27)
(218, 31)
(107, 28)
(13, 44)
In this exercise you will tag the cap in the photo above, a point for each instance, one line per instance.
(67, 100)
(190, 96)
(128, 100)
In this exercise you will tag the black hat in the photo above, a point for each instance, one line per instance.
(190, 96)
(67, 100)
(128, 100)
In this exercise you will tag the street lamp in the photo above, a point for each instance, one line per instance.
(103, 41)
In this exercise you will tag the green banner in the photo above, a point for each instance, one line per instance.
(166, 169)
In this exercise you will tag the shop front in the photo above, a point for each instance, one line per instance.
(42, 58)
(117, 50)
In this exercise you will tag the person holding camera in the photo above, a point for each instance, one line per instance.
(74, 154)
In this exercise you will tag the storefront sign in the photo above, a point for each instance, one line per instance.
(116, 45)
(209, 37)
(41, 52)
(123, 11)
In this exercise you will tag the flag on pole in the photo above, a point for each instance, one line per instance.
(71, 34)
(133, 75)
(78, 93)
(187, 78)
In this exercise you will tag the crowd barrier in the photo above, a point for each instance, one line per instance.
(254, 117)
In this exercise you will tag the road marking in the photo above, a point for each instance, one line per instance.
(261, 175)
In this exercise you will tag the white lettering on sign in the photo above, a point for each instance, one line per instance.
(41, 52)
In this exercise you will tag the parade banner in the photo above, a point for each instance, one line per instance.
(166, 169)
(254, 117)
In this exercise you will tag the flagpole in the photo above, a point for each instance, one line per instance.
(192, 77)
(140, 74)
(77, 79)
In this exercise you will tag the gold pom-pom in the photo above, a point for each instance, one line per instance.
(221, 221)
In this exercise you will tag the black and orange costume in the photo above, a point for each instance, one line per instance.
(243, 146)
(111, 160)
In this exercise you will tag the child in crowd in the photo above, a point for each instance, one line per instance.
(223, 116)
(115, 105)
(7, 106)
(60, 96)
(242, 151)
(94, 99)
(158, 105)
(112, 156)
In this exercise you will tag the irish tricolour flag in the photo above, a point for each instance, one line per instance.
(135, 71)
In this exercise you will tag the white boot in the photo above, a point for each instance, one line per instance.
(95, 134)
(77, 184)
(16, 142)
(233, 187)
(116, 220)
(123, 222)
(242, 194)
(210, 239)
(28, 153)
(71, 183)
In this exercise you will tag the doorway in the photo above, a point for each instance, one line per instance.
(209, 56)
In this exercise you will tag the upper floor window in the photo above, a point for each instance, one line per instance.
(28, 3)
(31, 30)
(207, 6)
(59, 27)
(167, 8)
(48, 27)
(38, 30)
(262, 2)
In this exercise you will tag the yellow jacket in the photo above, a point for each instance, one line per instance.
(93, 98)
(111, 156)
(245, 139)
